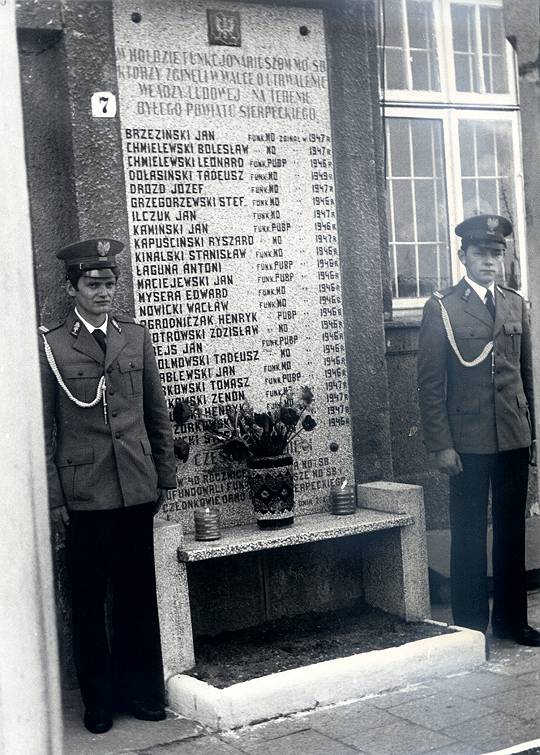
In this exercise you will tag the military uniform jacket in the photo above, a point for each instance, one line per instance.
(91, 464)
(486, 408)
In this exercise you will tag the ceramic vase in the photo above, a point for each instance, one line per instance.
(272, 490)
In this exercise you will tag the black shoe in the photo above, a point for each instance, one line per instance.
(98, 721)
(147, 711)
(522, 635)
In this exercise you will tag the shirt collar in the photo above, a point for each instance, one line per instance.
(480, 290)
(91, 327)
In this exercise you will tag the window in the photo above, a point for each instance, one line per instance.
(452, 137)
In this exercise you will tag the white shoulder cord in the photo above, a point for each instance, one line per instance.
(101, 388)
(486, 351)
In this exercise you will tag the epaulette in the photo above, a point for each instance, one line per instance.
(126, 318)
(51, 326)
(512, 290)
(443, 293)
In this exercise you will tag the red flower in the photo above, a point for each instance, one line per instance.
(181, 449)
(308, 423)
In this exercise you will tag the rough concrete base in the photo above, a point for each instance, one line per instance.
(325, 683)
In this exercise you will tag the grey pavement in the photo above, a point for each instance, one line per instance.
(494, 707)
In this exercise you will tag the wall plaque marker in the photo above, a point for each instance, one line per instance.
(230, 194)
(224, 28)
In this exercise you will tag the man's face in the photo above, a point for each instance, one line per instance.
(482, 263)
(94, 294)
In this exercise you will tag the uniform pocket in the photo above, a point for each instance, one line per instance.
(512, 337)
(75, 469)
(131, 370)
(523, 408)
(82, 379)
(147, 450)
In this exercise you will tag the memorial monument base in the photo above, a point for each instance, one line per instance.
(325, 683)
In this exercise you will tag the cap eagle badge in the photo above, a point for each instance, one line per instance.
(103, 248)
(492, 223)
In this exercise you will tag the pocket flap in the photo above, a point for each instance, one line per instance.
(86, 370)
(522, 401)
(147, 448)
(76, 457)
(128, 364)
(512, 328)
(466, 406)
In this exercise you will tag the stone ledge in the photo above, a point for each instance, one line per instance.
(325, 683)
(306, 529)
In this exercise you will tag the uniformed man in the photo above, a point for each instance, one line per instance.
(476, 401)
(110, 461)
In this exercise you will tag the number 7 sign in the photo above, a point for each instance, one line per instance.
(103, 105)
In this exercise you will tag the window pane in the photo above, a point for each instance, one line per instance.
(465, 52)
(406, 271)
(420, 70)
(423, 157)
(398, 147)
(395, 69)
(417, 208)
(461, 28)
(393, 31)
(465, 73)
(493, 46)
(426, 217)
(403, 210)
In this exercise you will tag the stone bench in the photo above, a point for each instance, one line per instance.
(389, 520)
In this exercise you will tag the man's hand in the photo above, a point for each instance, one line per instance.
(162, 495)
(60, 520)
(533, 458)
(448, 461)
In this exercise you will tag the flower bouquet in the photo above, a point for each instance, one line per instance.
(261, 442)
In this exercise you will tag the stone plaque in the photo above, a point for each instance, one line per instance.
(227, 153)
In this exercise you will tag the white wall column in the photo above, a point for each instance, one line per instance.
(30, 712)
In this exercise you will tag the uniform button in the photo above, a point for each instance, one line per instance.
(80, 373)
(115, 414)
(111, 391)
(109, 370)
(69, 461)
(499, 388)
(131, 364)
(117, 435)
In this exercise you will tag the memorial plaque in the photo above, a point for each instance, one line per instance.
(227, 151)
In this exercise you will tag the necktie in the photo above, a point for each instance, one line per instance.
(99, 335)
(490, 303)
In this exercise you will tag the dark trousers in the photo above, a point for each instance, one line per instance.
(117, 660)
(507, 475)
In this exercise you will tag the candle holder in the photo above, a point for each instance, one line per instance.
(207, 524)
(343, 500)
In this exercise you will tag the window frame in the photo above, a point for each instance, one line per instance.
(450, 106)
(448, 94)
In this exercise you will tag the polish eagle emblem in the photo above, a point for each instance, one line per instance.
(224, 28)
(103, 248)
(492, 223)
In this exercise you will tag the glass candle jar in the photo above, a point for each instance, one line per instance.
(207, 524)
(343, 500)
